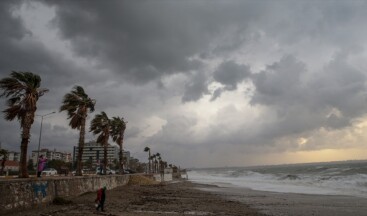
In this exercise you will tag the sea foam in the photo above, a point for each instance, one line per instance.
(328, 179)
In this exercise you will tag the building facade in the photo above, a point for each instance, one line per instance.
(13, 156)
(94, 151)
(51, 155)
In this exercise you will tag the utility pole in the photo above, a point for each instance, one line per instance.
(39, 141)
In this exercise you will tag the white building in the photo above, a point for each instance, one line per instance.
(66, 157)
(13, 156)
(94, 151)
(51, 155)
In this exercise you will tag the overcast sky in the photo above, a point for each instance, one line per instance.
(206, 83)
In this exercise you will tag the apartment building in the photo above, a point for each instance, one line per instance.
(51, 155)
(94, 151)
(13, 156)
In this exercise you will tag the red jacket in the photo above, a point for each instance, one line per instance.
(101, 195)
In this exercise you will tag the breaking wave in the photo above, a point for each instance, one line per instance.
(327, 178)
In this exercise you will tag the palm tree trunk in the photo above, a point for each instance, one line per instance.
(105, 157)
(79, 165)
(2, 165)
(121, 151)
(23, 172)
(120, 159)
(150, 166)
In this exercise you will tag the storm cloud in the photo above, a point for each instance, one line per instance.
(197, 81)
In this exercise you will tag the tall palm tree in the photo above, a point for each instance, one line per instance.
(23, 90)
(160, 168)
(77, 104)
(158, 156)
(101, 126)
(152, 162)
(153, 158)
(147, 149)
(118, 126)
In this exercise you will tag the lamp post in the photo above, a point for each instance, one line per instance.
(39, 141)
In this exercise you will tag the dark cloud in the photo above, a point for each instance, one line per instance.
(340, 85)
(11, 26)
(145, 40)
(23, 53)
(216, 94)
(230, 74)
(148, 59)
(302, 106)
(280, 83)
(195, 88)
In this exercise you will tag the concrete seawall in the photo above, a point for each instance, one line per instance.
(27, 193)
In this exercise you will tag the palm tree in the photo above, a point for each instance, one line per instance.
(160, 164)
(77, 104)
(147, 149)
(158, 155)
(153, 158)
(23, 90)
(100, 126)
(4, 155)
(118, 126)
(156, 163)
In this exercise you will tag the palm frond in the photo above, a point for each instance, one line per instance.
(100, 124)
(77, 104)
(118, 127)
(22, 89)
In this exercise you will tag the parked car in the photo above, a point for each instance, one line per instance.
(74, 172)
(49, 172)
(108, 171)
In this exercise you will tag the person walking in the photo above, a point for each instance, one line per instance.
(41, 165)
(101, 197)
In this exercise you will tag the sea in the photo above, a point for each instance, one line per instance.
(330, 178)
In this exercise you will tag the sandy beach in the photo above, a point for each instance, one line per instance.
(187, 198)
(174, 198)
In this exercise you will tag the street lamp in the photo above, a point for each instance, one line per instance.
(39, 141)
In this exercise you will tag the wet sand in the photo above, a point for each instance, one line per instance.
(175, 198)
(278, 204)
